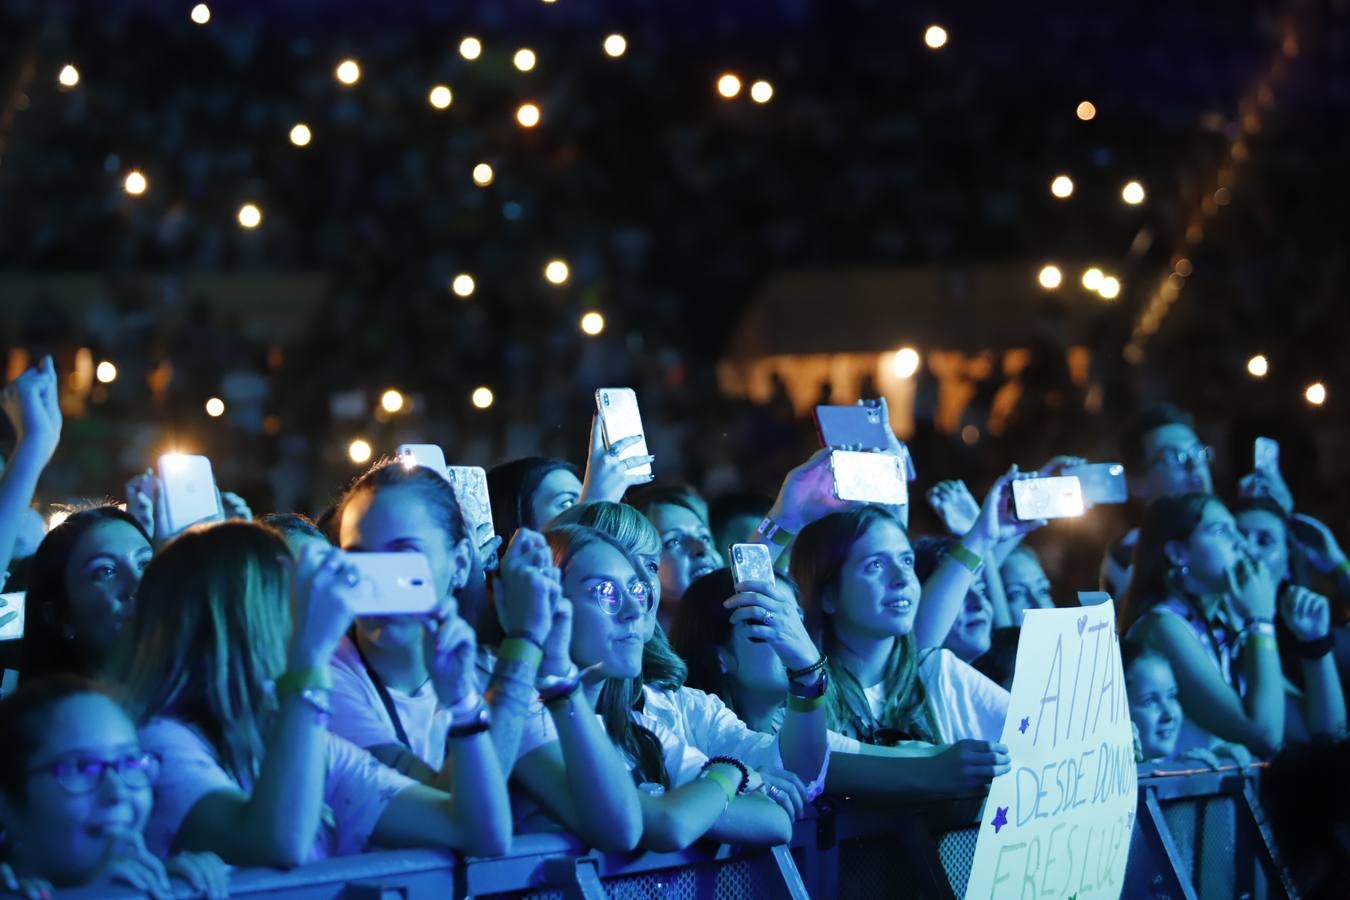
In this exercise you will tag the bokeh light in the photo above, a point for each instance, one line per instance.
(557, 271)
(471, 48)
(348, 72)
(301, 135)
(106, 372)
(215, 407)
(250, 216)
(527, 115)
(483, 174)
(482, 397)
(616, 45)
(906, 362)
(359, 451)
(1316, 394)
(935, 37)
(592, 323)
(761, 92)
(1050, 277)
(1092, 278)
(1086, 111)
(135, 183)
(1258, 366)
(201, 14)
(1062, 186)
(69, 76)
(440, 96)
(1109, 289)
(391, 401)
(1132, 193)
(728, 85)
(463, 285)
(524, 59)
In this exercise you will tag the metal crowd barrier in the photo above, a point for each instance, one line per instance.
(1197, 834)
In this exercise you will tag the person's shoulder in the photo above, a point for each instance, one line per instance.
(164, 731)
(346, 657)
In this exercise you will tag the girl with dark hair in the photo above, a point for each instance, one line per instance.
(82, 590)
(1202, 600)
(227, 668)
(529, 492)
(65, 822)
(687, 549)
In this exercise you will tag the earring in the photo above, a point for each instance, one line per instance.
(1185, 570)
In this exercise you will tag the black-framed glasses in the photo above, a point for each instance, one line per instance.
(1182, 457)
(81, 774)
(608, 595)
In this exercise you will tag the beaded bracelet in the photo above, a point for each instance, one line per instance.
(730, 761)
(799, 674)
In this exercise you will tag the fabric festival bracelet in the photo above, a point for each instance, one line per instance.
(297, 680)
(966, 558)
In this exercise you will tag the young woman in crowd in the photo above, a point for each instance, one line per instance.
(82, 592)
(684, 794)
(687, 550)
(384, 698)
(1025, 584)
(296, 530)
(226, 668)
(75, 794)
(1155, 712)
(1201, 600)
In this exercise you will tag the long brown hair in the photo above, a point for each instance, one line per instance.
(1152, 578)
(817, 563)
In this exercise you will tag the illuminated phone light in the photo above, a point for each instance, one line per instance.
(728, 85)
(250, 216)
(1050, 277)
(201, 14)
(935, 37)
(524, 59)
(68, 77)
(761, 92)
(359, 451)
(135, 183)
(527, 115)
(106, 373)
(463, 285)
(557, 272)
(174, 462)
(592, 323)
(482, 397)
(301, 135)
(409, 459)
(1062, 187)
(1109, 289)
(1316, 394)
(906, 362)
(348, 72)
(440, 97)
(55, 519)
(471, 48)
(616, 45)
(1258, 366)
(1086, 111)
(483, 174)
(1092, 278)
(215, 407)
(1132, 193)
(391, 401)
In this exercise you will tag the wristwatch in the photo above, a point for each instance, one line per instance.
(810, 691)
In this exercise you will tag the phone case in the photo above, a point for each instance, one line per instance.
(869, 477)
(471, 492)
(189, 489)
(1267, 454)
(852, 426)
(751, 563)
(1060, 497)
(402, 584)
(619, 418)
(1101, 483)
(428, 455)
(12, 610)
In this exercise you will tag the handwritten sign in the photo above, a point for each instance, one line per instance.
(1059, 823)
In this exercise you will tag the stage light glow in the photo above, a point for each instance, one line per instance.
(359, 451)
(616, 45)
(592, 324)
(761, 92)
(391, 401)
(1062, 186)
(527, 115)
(56, 518)
(215, 407)
(250, 216)
(905, 363)
(301, 135)
(348, 72)
(524, 59)
(1092, 278)
(1258, 366)
(483, 174)
(135, 183)
(440, 97)
(463, 285)
(1086, 111)
(482, 397)
(557, 271)
(69, 76)
(1050, 277)
(935, 37)
(106, 372)
(1109, 288)
(728, 85)
(201, 14)
(471, 48)
(1132, 193)
(1316, 394)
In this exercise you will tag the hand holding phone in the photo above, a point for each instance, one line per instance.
(751, 565)
(1057, 497)
(1266, 455)
(861, 427)
(1101, 483)
(401, 584)
(611, 468)
(471, 493)
(188, 492)
(869, 477)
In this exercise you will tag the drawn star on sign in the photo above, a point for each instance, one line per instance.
(1000, 819)
(1026, 723)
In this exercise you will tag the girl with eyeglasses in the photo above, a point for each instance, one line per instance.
(1202, 600)
(75, 794)
(684, 794)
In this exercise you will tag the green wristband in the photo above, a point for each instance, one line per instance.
(799, 704)
(297, 680)
(727, 784)
(1342, 567)
(521, 651)
(966, 558)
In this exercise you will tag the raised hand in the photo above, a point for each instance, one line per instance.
(807, 494)
(1270, 483)
(530, 586)
(955, 505)
(1057, 465)
(764, 617)
(141, 500)
(451, 648)
(327, 588)
(558, 645)
(996, 521)
(1316, 542)
(234, 506)
(1307, 614)
(32, 402)
(607, 476)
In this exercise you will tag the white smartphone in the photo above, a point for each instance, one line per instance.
(1267, 455)
(402, 584)
(471, 492)
(1101, 483)
(429, 455)
(751, 563)
(189, 490)
(869, 477)
(1058, 497)
(11, 615)
(619, 419)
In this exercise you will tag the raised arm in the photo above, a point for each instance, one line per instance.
(32, 403)
(1308, 616)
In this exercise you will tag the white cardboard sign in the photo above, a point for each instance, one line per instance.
(1059, 823)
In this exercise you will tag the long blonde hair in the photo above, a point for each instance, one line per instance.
(208, 637)
(818, 557)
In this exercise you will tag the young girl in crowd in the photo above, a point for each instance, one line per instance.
(685, 795)
(687, 551)
(1025, 584)
(384, 699)
(82, 592)
(1156, 712)
(75, 794)
(226, 667)
(1201, 600)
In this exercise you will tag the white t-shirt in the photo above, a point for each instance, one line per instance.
(360, 716)
(963, 703)
(702, 720)
(356, 790)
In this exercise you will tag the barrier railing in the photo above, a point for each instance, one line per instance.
(1196, 834)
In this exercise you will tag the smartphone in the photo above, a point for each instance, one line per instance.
(471, 492)
(429, 455)
(402, 583)
(751, 563)
(869, 477)
(12, 614)
(1266, 453)
(619, 418)
(1101, 483)
(189, 490)
(864, 426)
(1059, 497)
